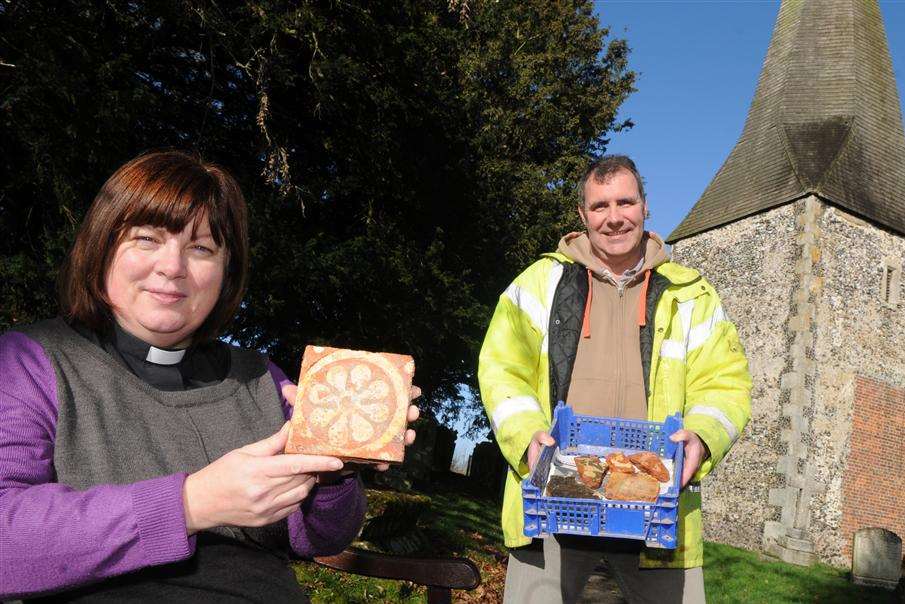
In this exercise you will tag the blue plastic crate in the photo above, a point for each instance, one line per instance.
(652, 522)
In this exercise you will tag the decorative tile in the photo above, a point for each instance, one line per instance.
(352, 404)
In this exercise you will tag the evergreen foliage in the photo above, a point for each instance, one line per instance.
(402, 161)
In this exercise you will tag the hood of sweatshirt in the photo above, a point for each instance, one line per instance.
(577, 246)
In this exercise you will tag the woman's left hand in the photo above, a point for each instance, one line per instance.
(291, 390)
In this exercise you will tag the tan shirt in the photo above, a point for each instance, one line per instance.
(607, 377)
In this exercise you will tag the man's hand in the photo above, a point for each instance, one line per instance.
(538, 441)
(290, 391)
(252, 486)
(695, 453)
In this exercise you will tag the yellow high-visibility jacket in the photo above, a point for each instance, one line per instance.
(696, 366)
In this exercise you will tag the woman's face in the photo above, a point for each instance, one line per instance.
(162, 285)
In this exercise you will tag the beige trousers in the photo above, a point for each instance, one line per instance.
(559, 570)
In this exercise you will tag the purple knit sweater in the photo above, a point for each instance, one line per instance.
(53, 537)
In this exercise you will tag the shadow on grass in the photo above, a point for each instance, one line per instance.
(439, 520)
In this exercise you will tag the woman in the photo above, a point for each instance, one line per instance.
(141, 457)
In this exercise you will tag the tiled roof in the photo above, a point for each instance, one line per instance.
(825, 119)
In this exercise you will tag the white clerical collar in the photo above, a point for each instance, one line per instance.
(126, 343)
(159, 356)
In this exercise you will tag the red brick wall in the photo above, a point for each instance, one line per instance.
(875, 474)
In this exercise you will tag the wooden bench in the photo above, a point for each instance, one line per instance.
(439, 575)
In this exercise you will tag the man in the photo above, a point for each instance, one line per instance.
(610, 326)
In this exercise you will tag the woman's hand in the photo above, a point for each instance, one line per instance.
(252, 486)
(290, 391)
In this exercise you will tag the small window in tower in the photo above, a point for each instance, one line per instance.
(891, 281)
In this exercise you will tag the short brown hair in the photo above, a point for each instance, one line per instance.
(603, 167)
(164, 189)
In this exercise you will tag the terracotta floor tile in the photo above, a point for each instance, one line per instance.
(352, 404)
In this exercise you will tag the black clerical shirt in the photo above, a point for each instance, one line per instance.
(200, 364)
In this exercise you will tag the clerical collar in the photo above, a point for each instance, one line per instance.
(138, 348)
(160, 356)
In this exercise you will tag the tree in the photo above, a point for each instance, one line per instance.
(402, 160)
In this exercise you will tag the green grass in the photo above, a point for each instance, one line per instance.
(737, 575)
(325, 586)
(456, 524)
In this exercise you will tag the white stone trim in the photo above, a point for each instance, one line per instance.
(510, 406)
(719, 416)
(890, 281)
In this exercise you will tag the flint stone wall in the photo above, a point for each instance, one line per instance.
(858, 335)
(750, 263)
(756, 266)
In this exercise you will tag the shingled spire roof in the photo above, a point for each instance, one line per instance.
(825, 120)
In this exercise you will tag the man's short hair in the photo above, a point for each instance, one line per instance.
(605, 166)
(168, 189)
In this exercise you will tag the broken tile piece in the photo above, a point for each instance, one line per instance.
(590, 470)
(352, 404)
(622, 486)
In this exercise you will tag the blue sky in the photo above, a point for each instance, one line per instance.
(698, 64)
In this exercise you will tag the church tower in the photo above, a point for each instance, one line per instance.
(802, 231)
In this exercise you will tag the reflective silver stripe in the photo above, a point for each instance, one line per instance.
(670, 349)
(674, 349)
(552, 284)
(530, 305)
(702, 331)
(510, 406)
(718, 415)
(694, 336)
(685, 311)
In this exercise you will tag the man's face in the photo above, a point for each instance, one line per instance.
(613, 213)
